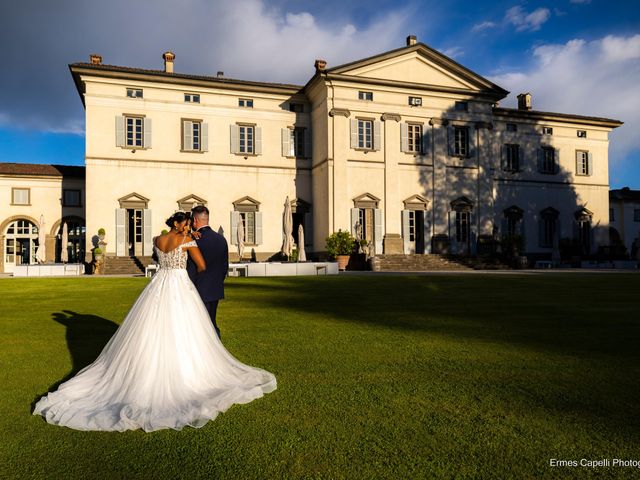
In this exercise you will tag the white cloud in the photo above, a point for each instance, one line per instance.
(453, 52)
(524, 21)
(478, 27)
(595, 78)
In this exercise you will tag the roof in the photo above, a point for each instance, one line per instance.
(37, 169)
(625, 194)
(115, 71)
(558, 117)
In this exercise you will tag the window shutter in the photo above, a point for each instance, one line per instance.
(187, 135)
(355, 216)
(378, 230)
(577, 163)
(147, 246)
(307, 143)
(541, 155)
(503, 157)
(426, 140)
(258, 228)
(377, 143)
(234, 227)
(427, 232)
(450, 140)
(147, 132)
(473, 143)
(205, 137)
(473, 233)
(120, 131)
(233, 135)
(308, 229)
(354, 132)
(405, 232)
(589, 163)
(121, 214)
(556, 160)
(450, 229)
(404, 137)
(258, 141)
(285, 134)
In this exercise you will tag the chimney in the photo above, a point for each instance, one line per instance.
(524, 101)
(320, 65)
(95, 59)
(169, 57)
(220, 74)
(411, 40)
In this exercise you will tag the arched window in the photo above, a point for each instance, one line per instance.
(20, 244)
(76, 233)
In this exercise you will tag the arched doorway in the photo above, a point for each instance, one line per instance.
(76, 233)
(20, 244)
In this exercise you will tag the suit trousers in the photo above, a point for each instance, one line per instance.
(212, 308)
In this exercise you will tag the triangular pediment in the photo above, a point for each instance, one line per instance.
(366, 200)
(416, 199)
(246, 202)
(133, 200)
(419, 65)
(192, 199)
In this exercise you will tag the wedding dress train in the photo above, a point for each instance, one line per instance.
(164, 367)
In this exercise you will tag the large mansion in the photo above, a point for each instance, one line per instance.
(407, 147)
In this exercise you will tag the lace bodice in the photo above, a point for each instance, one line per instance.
(176, 258)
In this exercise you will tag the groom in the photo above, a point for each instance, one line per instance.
(209, 283)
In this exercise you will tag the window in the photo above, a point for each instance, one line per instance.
(20, 196)
(415, 101)
(462, 226)
(412, 225)
(297, 140)
(512, 127)
(249, 224)
(192, 98)
(547, 131)
(245, 102)
(193, 132)
(612, 215)
(582, 134)
(414, 137)
(245, 138)
(71, 198)
(365, 134)
(636, 214)
(296, 107)
(511, 158)
(365, 96)
(462, 106)
(134, 132)
(548, 160)
(548, 225)
(134, 92)
(461, 141)
(582, 163)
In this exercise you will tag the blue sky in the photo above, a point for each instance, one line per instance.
(574, 56)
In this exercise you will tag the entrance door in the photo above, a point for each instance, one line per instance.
(134, 231)
(21, 241)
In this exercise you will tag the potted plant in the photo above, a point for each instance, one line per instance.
(340, 246)
(101, 233)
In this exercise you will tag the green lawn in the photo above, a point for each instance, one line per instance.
(468, 376)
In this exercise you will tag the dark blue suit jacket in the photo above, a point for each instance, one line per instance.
(214, 248)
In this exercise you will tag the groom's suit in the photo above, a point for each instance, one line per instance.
(210, 283)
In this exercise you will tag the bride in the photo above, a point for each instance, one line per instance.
(165, 366)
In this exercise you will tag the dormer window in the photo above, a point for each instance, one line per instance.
(582, 134)
(415, 101)
(134, 92)
(547, 131)
(192, 98)
(365, 96)
(245, 102)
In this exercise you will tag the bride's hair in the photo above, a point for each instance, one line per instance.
(177, 217)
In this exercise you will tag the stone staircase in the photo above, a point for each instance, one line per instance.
(426, 263)
(126, 265)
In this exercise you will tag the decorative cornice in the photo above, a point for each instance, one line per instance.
(438, 121)
(339, 112)
(487, 125)
(391, 116)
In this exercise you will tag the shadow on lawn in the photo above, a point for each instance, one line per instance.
(86, 336)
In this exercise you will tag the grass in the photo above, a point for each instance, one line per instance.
(378, 377)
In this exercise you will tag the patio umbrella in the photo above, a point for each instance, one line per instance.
(41, 252)
(240, 237)
(302, 255)
(287, 227)
(64, 254)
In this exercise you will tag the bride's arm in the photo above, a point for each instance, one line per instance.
(196, 256)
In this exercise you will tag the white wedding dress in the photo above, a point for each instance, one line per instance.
(164, 367)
